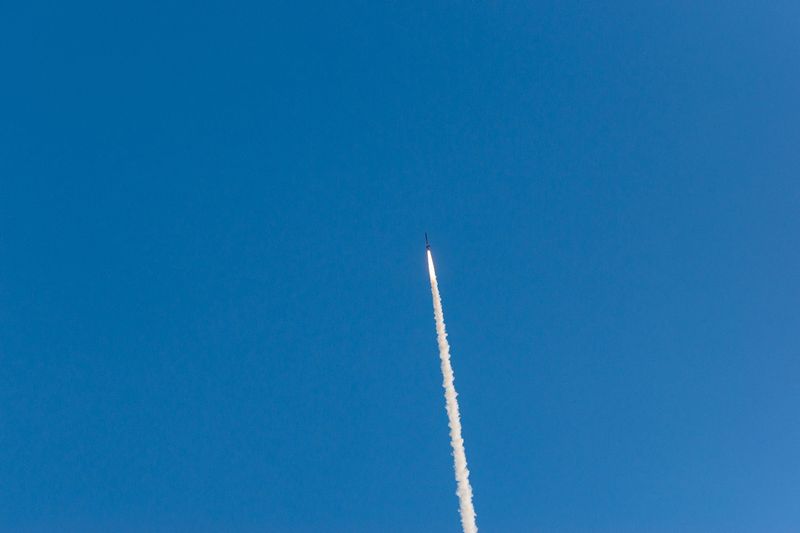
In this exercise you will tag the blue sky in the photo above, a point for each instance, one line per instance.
(214, 305)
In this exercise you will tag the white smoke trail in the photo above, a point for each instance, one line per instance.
(464, 490)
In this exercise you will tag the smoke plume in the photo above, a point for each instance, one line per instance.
(463, 488)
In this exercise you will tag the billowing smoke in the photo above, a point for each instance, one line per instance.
(463, 488)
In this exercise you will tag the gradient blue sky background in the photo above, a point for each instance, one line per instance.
(214, 306)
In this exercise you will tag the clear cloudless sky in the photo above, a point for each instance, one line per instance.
(214, 305)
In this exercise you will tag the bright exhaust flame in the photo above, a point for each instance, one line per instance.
(463, 488)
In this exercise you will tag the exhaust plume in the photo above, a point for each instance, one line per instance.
(463, 488)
